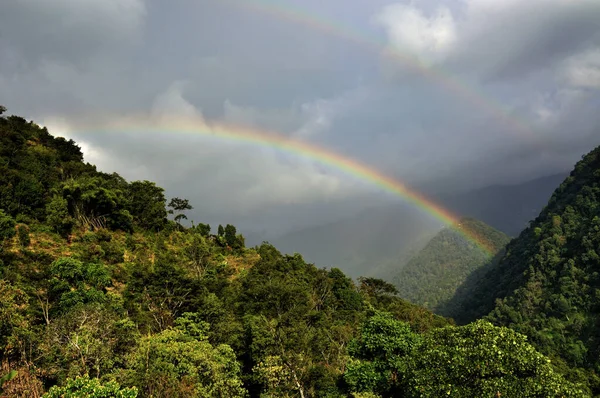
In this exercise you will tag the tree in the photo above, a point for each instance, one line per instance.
(203, 229)
(12, 317)
(380, 356)
(476, 360)
(198, 252)
(98, 202)
(84, 387)
(230, 236)
(87, 340)
(376, 287)
(23, 235)
(480, 360)
(179, 205)
(57, 215)
(73, 282)
(180, 362)
(147, 205)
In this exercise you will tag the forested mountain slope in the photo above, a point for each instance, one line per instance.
(102, 295)
(547, 285)
(431, 277)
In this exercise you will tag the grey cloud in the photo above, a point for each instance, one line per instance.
(234, 63)
(512, 40)
(69, 29)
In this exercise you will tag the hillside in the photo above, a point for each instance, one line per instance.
(547, 284)
(431, 277)
(103, 293)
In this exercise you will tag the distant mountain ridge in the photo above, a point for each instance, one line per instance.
(508, 208)
(432, 277)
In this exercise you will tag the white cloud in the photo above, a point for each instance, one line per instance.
(171, 103)
(409, 30)
(583, 70)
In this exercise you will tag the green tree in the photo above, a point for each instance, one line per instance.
(480, 360)
(88, 339)
(203, 229)
(179, 205)
(73, 282)
(57, 215)
(84, 387)
(198, 253)
(147, 205)
(180, 362)
(476, 360)
(380, 356)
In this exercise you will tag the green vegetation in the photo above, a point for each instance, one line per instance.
(102, 295)
(547, 286)
(432, 277)
(477, 360)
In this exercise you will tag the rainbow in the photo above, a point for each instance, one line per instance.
(197, 126)
(434, 74)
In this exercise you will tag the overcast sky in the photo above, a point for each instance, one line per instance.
(503, 91)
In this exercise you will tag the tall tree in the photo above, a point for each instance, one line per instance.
(179, 205)
(147, 205)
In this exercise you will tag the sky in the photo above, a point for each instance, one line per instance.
(441, 95)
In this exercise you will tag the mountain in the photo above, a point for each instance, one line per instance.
(372, 243)
(547, 285)
(431, 277)
(508, 208)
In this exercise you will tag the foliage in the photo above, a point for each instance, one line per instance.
(476, 360)
(84, 387)
(432, 278)
(74, 282)
(379, 355)
(180, 362)
(179, 205)
(57, 215)
(147, 205)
